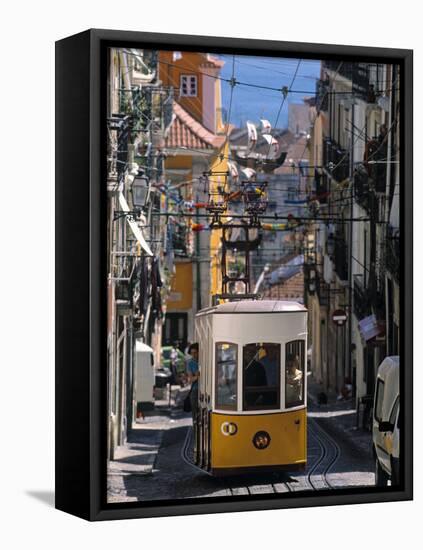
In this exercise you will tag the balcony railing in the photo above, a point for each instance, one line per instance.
(321, 186)
(322, 96)
(336, 160)
(341, 258)
(368, 299)
(364, 194)
(357, 73)
(120, 125)
(322, 290)
(180, 241)
(362, 298)
(392, 256)
(376, 164)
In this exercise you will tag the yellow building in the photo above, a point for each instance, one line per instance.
(195, 145)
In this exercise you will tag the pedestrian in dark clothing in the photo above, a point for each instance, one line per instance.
(193, 375)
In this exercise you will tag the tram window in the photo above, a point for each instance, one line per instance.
(261, 376)
(294, 373)
(226, 378)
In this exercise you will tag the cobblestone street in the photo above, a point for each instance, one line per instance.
(155, 464)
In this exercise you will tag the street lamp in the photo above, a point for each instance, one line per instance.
(140, 190)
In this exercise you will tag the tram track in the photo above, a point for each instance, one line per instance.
(185, 454)
(330, 453)
(321, 468)
(233, 488)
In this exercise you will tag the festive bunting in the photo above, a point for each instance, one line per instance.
(265, 126)
(252, 135)
(248, 172)
(273, 146)
(233, 170)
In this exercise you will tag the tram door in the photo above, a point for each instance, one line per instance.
(202, 439)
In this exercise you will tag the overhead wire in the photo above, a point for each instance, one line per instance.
(275, 89)
(251, 84)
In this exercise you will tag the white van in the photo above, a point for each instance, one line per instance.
(386, 412)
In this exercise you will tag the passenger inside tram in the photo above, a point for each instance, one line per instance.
(261, 376)
(294, 380)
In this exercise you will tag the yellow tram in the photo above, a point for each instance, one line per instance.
(252, 387)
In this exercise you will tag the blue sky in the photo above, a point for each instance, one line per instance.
(253, 103)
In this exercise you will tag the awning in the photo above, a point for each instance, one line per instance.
(141, 346)
(134, 226)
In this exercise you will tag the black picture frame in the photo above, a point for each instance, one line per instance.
(80, 267)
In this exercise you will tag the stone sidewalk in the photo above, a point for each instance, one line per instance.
(138, 456)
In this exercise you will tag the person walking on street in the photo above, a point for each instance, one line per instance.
(173, 362)
(193, 375)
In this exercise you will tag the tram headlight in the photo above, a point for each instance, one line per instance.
(229, 428)
(261, 440)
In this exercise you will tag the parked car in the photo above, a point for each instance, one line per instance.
(180, 363)
(386, 411)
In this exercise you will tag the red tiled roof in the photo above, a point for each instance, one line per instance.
(291, 289)
(185, 131)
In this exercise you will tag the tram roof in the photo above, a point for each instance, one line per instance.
(256, 306)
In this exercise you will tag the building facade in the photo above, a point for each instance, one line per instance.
(354, 148)
(195, 151)
(138, 113)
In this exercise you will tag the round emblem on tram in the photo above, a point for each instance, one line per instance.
(261, 440)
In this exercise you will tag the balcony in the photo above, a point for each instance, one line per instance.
(376, 167)
(341, 258)
(180, 241)
(357, 73)
(322, 96)
(336, 160)
(322, 290)
(121, 124)
(368, 299)
(364, 194)
(321, 186)
(362, 298)
(392, 256)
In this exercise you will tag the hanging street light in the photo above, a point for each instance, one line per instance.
(140, 191)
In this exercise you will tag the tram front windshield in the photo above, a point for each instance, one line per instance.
(261, 376)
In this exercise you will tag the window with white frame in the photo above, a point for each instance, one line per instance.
(188, 85)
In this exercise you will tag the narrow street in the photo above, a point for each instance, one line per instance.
(254, 253)
(157, 461)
